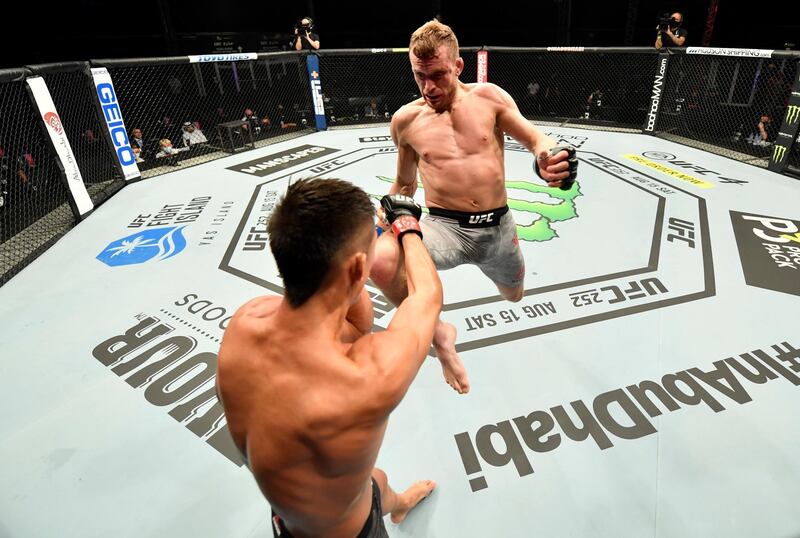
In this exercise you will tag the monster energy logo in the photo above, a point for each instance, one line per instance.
(542, 214)
(778, 152)
(792, 113)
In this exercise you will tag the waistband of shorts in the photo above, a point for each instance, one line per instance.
(279, 529)
(481, 219)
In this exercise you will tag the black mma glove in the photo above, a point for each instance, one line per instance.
(403, 213)
(572, 160)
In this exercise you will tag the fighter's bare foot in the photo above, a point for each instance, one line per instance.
(444, 341)
(411, 497)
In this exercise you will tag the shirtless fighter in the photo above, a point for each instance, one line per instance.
(454, 135)
(306, 390)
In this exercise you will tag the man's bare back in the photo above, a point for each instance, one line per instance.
(307, 390)
(296, 416)
(459, 152)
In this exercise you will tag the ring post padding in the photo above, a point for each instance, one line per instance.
(314, 82)
(651, 118)
(56, 137)
(787, 136)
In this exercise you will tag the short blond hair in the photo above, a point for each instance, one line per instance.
(425, 41)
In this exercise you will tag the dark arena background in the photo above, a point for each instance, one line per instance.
(648, 383)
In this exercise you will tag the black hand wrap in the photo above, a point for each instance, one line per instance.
(403, 213)
(572, 161)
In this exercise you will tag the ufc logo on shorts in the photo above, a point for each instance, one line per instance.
(478, 219)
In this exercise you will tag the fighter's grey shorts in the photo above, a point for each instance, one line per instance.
(487, 239)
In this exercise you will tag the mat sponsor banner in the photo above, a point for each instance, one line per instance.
(369, 139)
(623, 414)
(160, 234)
(276, 162)
(112, 116)
(742, 53)
(238, 57)
(174, 362)
(49, 114)
(697, 182)
(665, 158)
(769, 249)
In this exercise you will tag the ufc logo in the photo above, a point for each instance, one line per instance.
(478, 219)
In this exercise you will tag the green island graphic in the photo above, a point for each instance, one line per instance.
(539, 229)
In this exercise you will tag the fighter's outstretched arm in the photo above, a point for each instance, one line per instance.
(391, 359)
(554, 167)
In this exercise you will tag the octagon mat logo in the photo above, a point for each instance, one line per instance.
(148, 245)
(539, 226)
(658, 254)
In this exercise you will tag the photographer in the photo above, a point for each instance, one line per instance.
(670, 33)
(304, 36)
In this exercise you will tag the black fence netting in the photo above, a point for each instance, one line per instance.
(361, 87)
(179, 113)
(72, 89)
(34, 210)
(733, 106)
(595, 88)
(364, 88)
(182, 114)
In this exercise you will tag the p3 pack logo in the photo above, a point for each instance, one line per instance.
(147, 245)
(52, 119)
(769, 248)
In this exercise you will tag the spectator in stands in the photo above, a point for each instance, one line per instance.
(192, 135)
(532, 103)
(669, 31)
(137, 153)
(89, 136)
(27, 170)
(168, 129)
(137, 139)
(304, 36)
(168, 152)
(284, 120)
(371, 110)
(763, 133)
(593, 104)
(254, 122)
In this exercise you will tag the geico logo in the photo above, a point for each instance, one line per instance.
(113, 117)
(780, 226)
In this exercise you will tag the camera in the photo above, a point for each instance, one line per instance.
(665, 21)
(299, 27)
